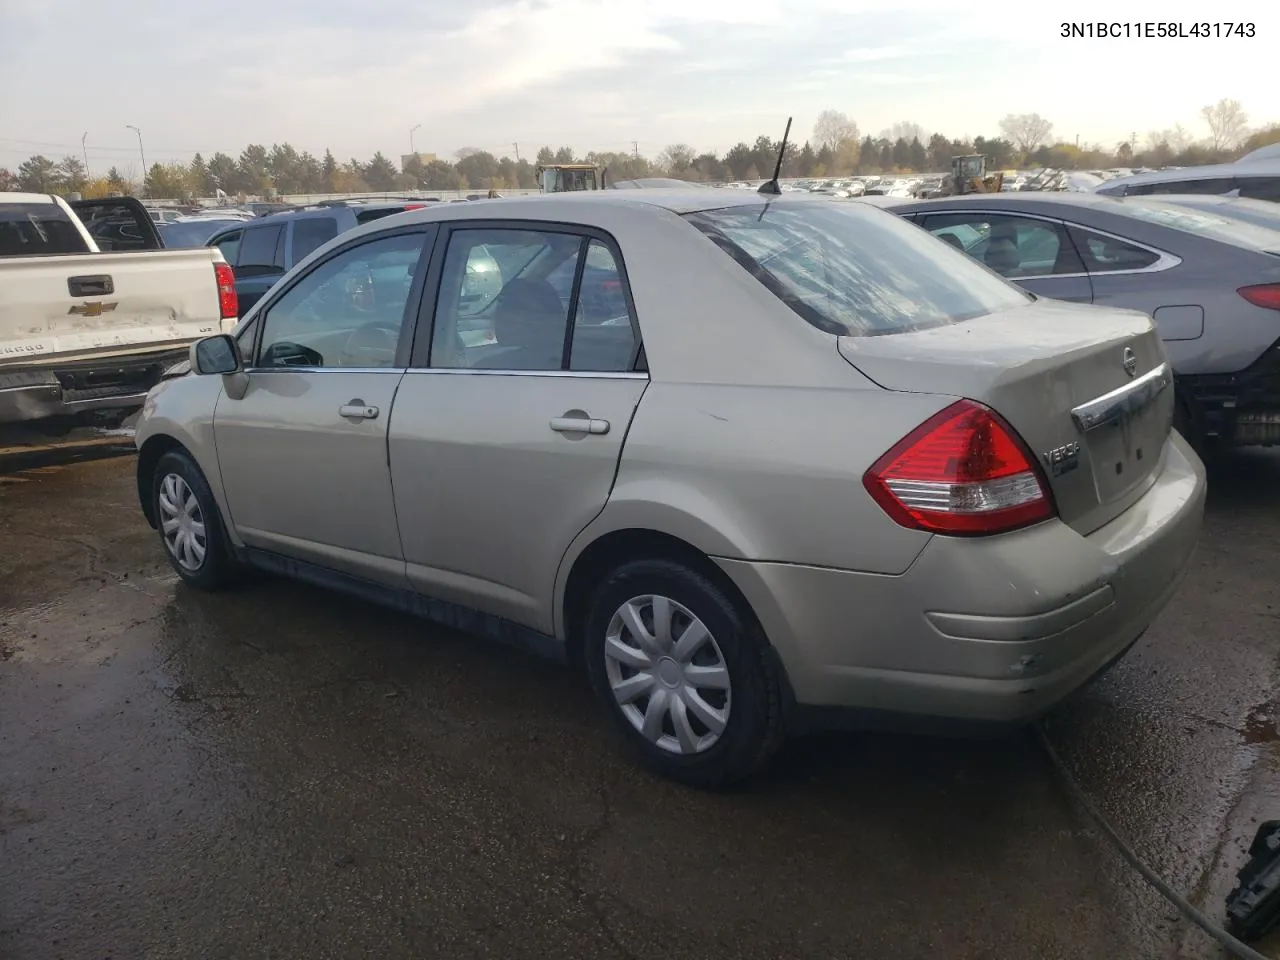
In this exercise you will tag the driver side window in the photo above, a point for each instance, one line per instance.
(348, 311)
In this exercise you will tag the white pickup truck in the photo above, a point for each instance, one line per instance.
(93, 310)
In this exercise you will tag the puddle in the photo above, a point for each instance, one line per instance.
(1260, 725)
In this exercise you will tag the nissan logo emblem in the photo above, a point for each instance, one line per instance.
(1129, 361)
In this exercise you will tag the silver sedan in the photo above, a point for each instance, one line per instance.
(1209, 276)
(797, 460)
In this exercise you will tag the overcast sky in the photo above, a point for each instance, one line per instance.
(593, 74)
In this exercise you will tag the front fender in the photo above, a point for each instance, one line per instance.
(180, 412)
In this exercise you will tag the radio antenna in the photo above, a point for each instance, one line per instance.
(771, 187)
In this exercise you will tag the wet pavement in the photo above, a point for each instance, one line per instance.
(281, 772)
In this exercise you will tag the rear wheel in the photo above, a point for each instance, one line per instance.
(685, 674)
(189, 523)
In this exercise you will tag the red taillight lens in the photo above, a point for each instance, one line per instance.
(414, 206)
(964, 472)
(1262, 295)
(228, 302)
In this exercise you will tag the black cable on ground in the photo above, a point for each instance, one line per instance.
(1235, 947)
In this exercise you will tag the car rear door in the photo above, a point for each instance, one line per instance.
(1034, 252)
(303, 452)
(509, 424)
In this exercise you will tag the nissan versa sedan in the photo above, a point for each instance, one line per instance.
(1210, 279)
(812, 464)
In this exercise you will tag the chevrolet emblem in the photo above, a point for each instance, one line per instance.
(93, 308)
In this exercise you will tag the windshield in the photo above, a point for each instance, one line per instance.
(854, 270)
(1262, 213)
(1213, 226)
(190, 233)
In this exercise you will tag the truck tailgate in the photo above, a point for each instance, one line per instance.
(103, 304)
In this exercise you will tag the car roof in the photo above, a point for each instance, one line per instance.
(549, 206)
(27, 198)
(1030, 199)
(1263, 167)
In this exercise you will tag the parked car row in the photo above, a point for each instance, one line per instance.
(757, 464)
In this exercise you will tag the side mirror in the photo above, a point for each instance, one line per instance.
(216, 355)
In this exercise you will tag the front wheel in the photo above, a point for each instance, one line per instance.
(685, 674)
(189, 523)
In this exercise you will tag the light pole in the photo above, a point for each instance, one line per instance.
(142, 153)
(412, 131)
(85, 150)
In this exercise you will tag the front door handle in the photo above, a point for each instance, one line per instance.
(579, 425)
(356, 409)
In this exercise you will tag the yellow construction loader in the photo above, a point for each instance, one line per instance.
(969, 175)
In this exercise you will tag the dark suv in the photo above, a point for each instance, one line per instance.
(262, 250)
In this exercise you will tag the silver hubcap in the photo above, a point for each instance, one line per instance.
(667, 674)
(182, 523)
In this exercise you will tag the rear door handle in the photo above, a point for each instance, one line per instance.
(579, 425)
(357, 409)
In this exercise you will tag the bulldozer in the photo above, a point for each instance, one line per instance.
(969, 175)
(568, 177)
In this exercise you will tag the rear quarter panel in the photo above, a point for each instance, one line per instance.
(766, 473)
(1235, 333)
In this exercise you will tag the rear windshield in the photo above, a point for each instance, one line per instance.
(1261, 213)
(190, 233)
(37, 230)
(854, 270)
(1202, 223)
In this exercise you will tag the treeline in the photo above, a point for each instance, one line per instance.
(836, 148)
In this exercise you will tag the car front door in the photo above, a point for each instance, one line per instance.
(303, 453)
(510, 421)
(1033, 252)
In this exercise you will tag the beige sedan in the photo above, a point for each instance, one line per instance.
(798, 461)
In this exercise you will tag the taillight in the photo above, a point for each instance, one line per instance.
(1262, 295)
(964, 472)
(228, 302)
(414, 206)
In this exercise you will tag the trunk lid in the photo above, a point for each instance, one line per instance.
(1088, 389)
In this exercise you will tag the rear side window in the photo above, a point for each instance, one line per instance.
(854, 270)
(37, 230)
(229, 244)
(377, 213)
(1104, 254)
(1211, 186)
(260, 251)
(312, 233)
(1260, 188)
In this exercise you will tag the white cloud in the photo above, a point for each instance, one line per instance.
(593, 73)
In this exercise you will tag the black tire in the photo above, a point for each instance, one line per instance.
(754, 727)
(216, 568)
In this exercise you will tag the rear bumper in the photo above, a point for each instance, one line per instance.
(82, 388)
(995, 630)
(1238, 408)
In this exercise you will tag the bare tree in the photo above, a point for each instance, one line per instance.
(1026, 130)
(907, 130)
(677, 158)
(833, 129)
(1227, 122)
(1179, 139)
